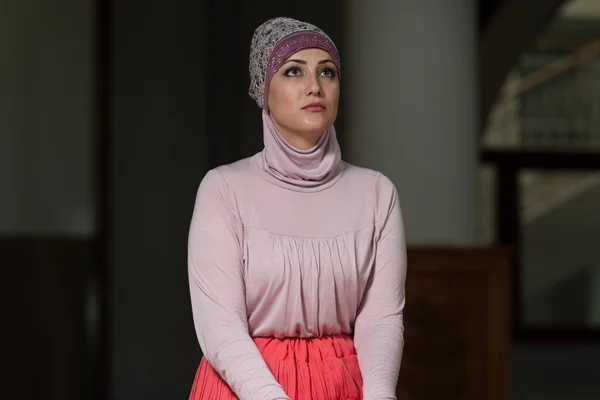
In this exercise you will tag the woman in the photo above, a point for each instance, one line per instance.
(296, 258)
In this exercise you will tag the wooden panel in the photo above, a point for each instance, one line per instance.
(457, 325)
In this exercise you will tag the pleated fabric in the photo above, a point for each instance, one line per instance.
(308, 369)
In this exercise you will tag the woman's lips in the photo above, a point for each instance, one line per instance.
(314, 107)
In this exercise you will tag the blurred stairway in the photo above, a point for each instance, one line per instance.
(549, 102)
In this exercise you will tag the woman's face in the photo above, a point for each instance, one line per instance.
(303, 97)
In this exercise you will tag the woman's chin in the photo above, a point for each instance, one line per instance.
(316, 125)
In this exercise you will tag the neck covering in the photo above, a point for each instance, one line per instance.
(303, 170)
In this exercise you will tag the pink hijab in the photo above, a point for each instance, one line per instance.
(307, 170)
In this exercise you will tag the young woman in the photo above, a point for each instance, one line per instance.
(297, 259)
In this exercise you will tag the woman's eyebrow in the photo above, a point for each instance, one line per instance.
(304, 62)
(296, 61)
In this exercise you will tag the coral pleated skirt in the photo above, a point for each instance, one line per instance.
(307, 369)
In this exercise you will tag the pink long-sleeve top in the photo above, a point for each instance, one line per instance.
(292, 243)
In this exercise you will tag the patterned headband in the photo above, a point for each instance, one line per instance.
(276, 40)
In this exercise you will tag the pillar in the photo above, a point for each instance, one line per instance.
(410, 99)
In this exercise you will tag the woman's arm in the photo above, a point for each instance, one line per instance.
(379, 328)
(218, 294)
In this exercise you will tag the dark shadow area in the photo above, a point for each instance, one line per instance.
(45, 294)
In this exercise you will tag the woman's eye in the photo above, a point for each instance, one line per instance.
(328, 72)
(294, 71)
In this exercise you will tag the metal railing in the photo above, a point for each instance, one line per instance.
(549, 101)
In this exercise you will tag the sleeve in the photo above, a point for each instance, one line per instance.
(218, 294)
(379, 327)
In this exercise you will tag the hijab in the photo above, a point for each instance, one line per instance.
(314, 169)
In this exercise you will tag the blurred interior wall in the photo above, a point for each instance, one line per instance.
(46, 106)
(47, 222)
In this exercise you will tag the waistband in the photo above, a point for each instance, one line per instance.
(306, 349)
